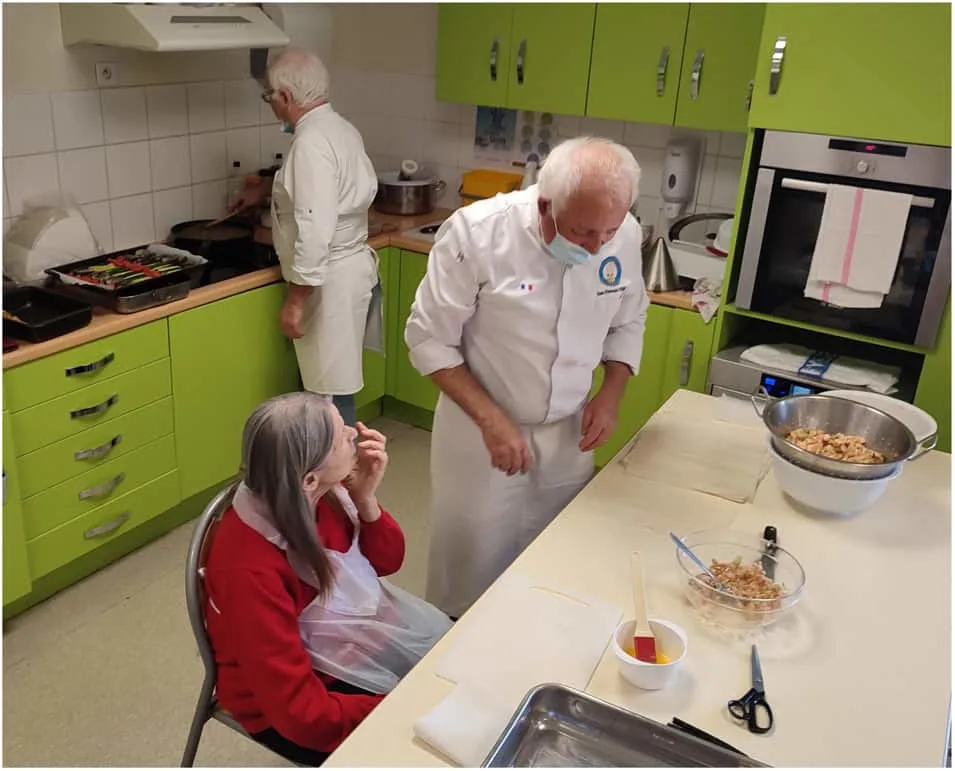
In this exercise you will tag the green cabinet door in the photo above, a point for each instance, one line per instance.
(643, 395)
(550, 57)
(688, 351)
(473, 56)
(374, 363)
(410, 386)
(16, 567)
(227, 358)
(934, 394)
(635, 66)
(870, 70)
(719, 63)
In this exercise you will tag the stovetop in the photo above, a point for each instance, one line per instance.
(424, 232)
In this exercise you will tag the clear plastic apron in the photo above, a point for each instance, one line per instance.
(366, 632)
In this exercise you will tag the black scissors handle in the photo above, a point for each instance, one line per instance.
(754, 709)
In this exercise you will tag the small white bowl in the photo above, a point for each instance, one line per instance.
(825, 494)
(671, 640)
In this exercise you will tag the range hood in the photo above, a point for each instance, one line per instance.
(170, 26)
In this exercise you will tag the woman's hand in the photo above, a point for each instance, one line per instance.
(369, 471)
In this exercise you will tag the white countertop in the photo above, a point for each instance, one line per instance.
(858, 675)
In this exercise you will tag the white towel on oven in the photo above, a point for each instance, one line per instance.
(858, 246)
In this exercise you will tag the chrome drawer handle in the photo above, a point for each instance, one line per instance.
(104, 489)
(109, 527)
(521, 53)
(686, 362)
(95, 453)
(695, 75)
(495, 45)
(776, 68)
(95, 410)
(85, 369)
(662, 70)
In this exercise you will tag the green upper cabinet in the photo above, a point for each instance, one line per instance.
(474, 49)
(870, 70)
(550, 57)
(227, 358)
(635, 66)
(526, 56)
(719, 62)
(16, 566)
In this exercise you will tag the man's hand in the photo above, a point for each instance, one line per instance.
(508, 448)
(600, 419)
(291, 320)
(250, 197)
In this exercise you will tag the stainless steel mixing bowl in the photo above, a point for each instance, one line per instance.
(881, 432)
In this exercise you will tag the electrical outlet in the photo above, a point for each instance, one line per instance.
(107, 74)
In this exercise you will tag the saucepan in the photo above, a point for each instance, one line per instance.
(407, 197)
(882, 432)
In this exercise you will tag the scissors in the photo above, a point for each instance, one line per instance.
(752, 706)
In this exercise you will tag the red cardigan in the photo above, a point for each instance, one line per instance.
(265, 677)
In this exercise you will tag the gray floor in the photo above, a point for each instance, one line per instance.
(106, 673)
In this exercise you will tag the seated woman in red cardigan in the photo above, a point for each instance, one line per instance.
(307, 637)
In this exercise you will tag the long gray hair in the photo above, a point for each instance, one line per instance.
(284, 439)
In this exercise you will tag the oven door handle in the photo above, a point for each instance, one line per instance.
(823, 188)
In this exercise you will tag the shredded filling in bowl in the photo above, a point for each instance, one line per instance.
(745, 582)
(845, 447)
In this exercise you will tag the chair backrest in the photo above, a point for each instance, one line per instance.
(195, 563)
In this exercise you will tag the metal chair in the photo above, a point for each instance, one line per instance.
(207, 707)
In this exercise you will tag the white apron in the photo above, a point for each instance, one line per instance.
(483, 519)
(367, 632)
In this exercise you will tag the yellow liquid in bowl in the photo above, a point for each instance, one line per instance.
(662, 658)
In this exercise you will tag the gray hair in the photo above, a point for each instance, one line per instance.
(590, 163)
(301, 73)
(284, 439)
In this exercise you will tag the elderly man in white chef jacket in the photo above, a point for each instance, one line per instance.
(320, 200)
(524, 296)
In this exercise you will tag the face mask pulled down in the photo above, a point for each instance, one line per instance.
(563, 250)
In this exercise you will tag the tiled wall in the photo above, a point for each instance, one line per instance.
(139, 159)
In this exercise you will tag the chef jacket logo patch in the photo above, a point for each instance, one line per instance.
(609, 271)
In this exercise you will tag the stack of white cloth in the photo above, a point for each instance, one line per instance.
(706, 297)
(836, 369)
(858, 247)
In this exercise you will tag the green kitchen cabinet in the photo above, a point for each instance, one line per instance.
(227, 358)
(643, 395)
(719, 62)
(934, 393)
(635, 64)
(410, 386)
(374, 363)
(688, 350)
(870, 70)
(525, 56)
(16, 566)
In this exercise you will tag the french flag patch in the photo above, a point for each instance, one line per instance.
(525, 287)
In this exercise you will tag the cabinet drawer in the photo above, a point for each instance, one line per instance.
(71, 370)
(94, 447)
(69, 415)
(98, 487)
(68, 542)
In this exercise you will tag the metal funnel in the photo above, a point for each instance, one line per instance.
(659, 275)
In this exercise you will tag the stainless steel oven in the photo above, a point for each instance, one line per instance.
(788, 197)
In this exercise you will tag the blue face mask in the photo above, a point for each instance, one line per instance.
(287, 127)
(566, 251)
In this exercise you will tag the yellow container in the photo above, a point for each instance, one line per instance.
(486, 183)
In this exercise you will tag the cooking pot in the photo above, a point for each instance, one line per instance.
(714, 238)
(407, 197)
(228, 242)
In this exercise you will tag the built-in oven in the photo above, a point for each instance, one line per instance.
(795, 172)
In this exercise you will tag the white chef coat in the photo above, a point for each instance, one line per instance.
(532, 331)
(320, 200)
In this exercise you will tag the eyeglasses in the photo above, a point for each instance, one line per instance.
(268, 95)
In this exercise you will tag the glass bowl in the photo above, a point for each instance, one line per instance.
(725, 608)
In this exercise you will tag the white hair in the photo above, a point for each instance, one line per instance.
(301, 73)
(592, 164)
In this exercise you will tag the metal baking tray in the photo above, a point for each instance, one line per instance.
(559, 727)
(36, 315)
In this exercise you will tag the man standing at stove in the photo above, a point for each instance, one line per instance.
(320, 200)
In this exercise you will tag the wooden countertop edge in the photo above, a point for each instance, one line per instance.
(106, 323)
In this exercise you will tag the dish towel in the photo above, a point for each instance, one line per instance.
(858, 247)
(824, 366)
(706, 297)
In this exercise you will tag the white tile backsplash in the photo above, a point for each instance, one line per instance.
(206, 107)
(127, 168)
(732, 145)
(209, 200)
(725, 183)
(27, 125)
(273, 141)
(83, 174)
(133, 222)
(97, 215)
(600, 127)
(242, 99)
(245, 146)
(28, 177)
(208, 152)
(171, 207)
(124, 115)
(170, 162)
(77, 119)
(444, 142)
(168, 114)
